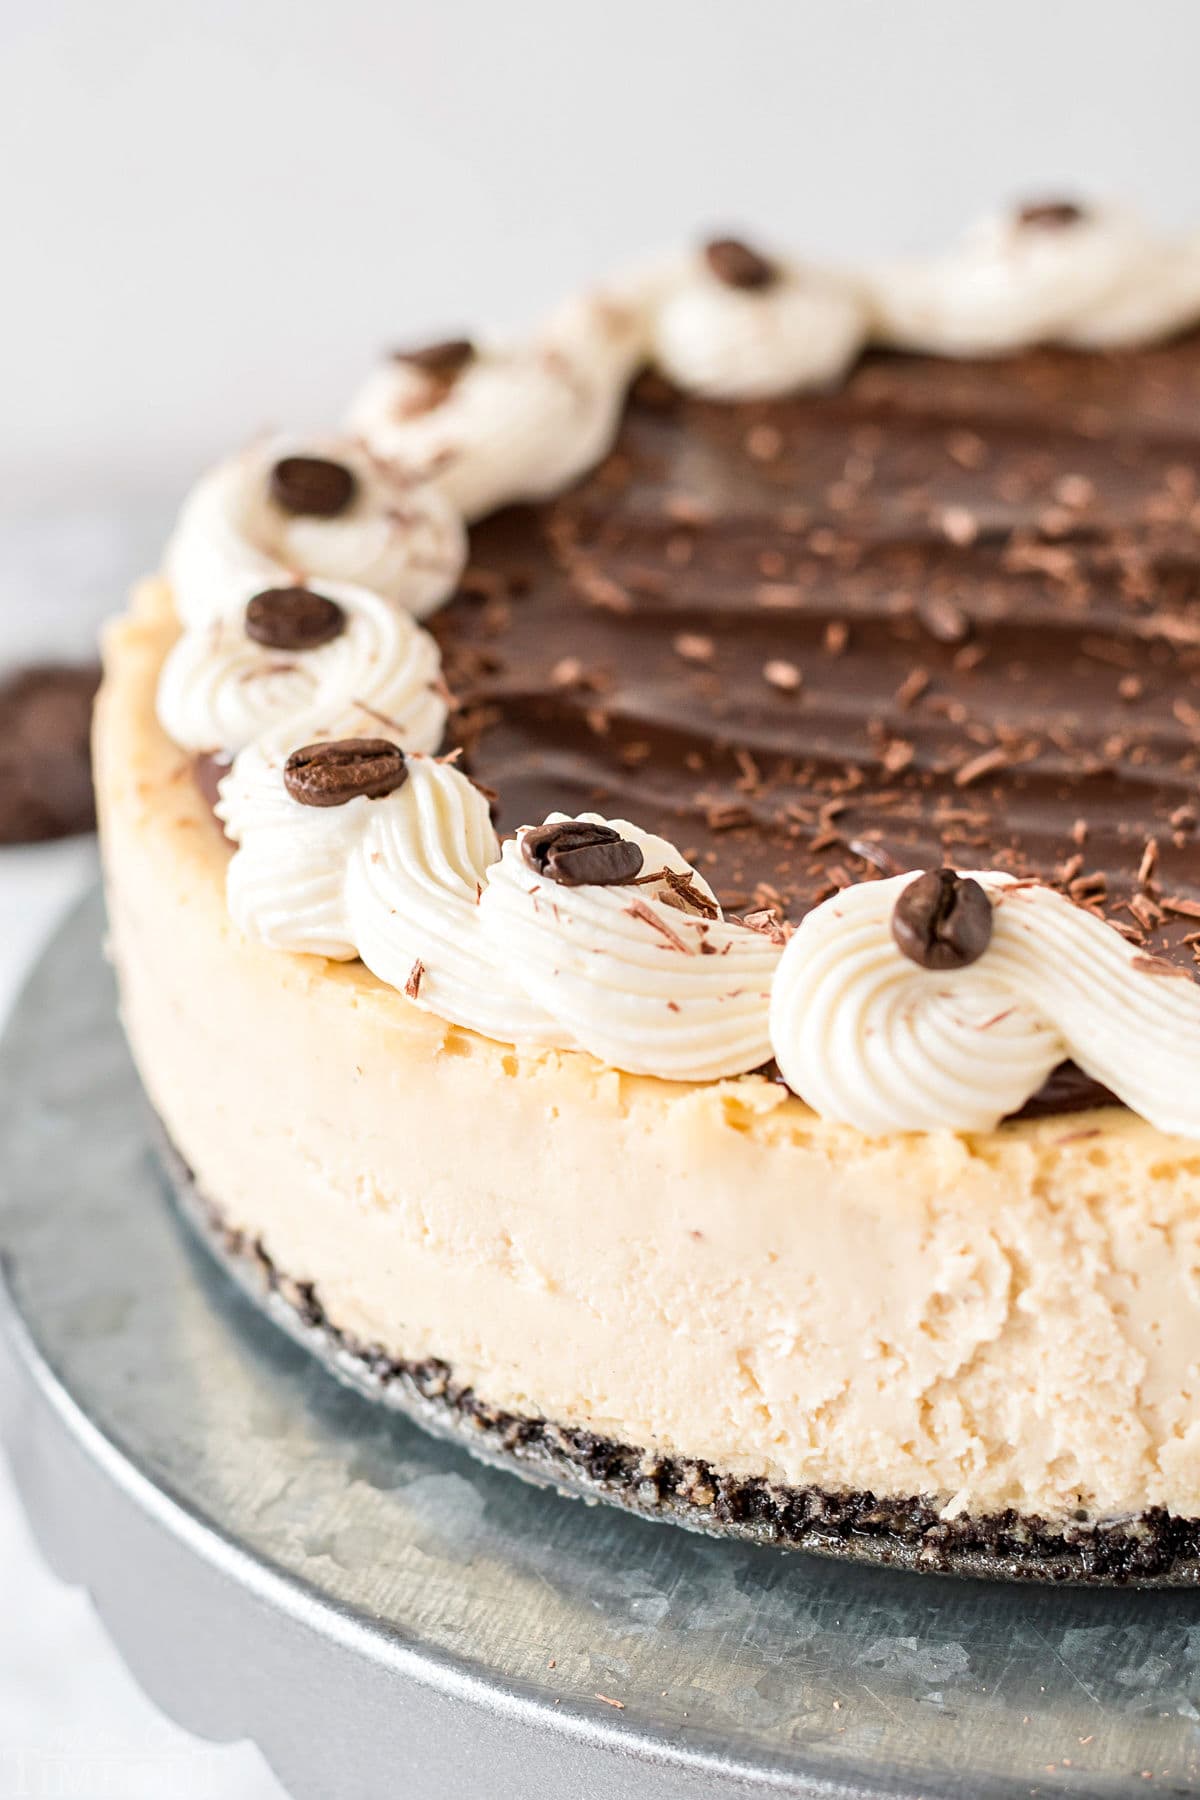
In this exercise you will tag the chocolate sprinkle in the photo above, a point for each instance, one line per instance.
(330, 774)
(293, 618)
(943, 920)
(738, 265)
(312, 486)
(577, 853)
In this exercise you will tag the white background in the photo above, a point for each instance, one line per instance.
(214, 212)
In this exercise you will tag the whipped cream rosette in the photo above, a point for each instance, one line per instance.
(1056, 272)
(734, 325)
(289, 510)
(367, 666)
(637, 965)
(646, 972)
(493, 424)
(870, 1038)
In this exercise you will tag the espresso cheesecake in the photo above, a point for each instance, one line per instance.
(655, 884)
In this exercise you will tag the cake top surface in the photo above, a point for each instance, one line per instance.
(837, 680)
(948, 613)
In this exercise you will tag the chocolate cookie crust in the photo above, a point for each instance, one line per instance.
(1152, 1549)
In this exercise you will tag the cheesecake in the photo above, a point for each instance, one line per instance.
(655, 886)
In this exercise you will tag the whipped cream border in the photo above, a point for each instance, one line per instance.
(870, 1039)
(418, 887)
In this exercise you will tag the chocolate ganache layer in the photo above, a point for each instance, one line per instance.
(948, 613)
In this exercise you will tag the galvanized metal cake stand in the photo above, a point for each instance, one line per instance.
(276, 1558)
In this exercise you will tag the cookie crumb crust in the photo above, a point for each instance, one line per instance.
(1150, 1549)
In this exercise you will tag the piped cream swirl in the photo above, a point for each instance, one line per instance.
(517, 422)
(413, 906)
(803, 329)
(870, 1039)
(402, 539)
(394, 881)
(648, 977)
(381, 675)
(643, 980)
(285, 884)
(1158, 296)
(1093, 276)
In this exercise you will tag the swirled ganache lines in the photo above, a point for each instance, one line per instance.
(870, 1038)
(298, 569)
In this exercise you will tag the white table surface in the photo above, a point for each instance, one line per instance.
(72, 1721)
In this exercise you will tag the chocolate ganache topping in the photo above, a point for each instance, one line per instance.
(982, 579)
